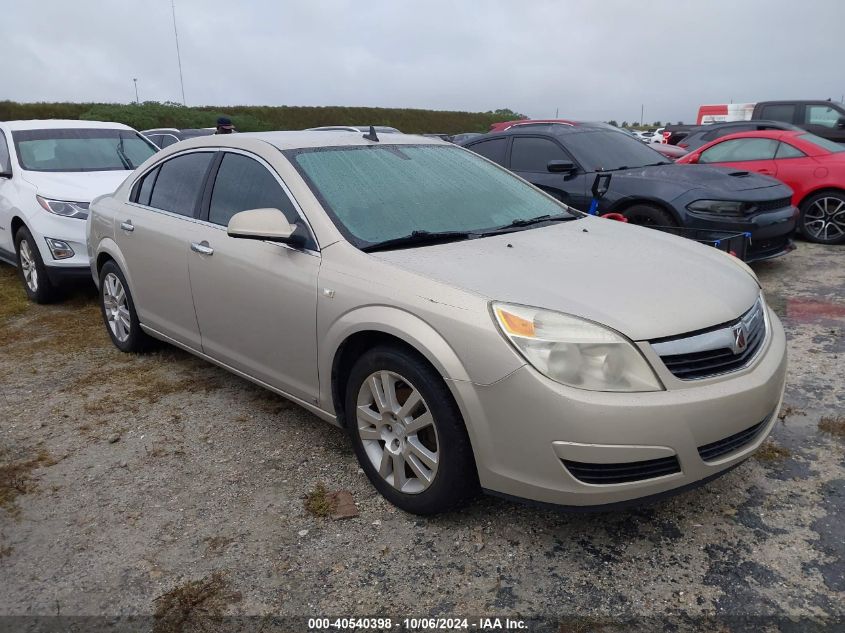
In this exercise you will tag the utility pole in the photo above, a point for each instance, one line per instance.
(137, 100)
(642, 112)
(178, 55)
(557, 113)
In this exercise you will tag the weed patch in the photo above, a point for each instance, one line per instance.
(833, 425)
(16, 477)
(192, 603)
(771, 452)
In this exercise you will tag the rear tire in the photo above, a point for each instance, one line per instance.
(31, 269)
(644, 214)
(408, 433)
(118, 310)
(822, 218)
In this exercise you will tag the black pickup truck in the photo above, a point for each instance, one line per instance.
(822, 118)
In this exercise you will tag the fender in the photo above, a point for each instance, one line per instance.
(388, 320)
(108, 246)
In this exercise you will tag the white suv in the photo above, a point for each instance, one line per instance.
(49, 173)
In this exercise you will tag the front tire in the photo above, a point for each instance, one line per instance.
(31, 269)
(822, 218)
(118, 310)
(649, 215)
(408, 434)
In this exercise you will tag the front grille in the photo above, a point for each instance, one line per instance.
(624, 472)
(771, 205)
(714, 352)
(715, 450)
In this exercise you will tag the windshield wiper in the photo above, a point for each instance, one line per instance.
(657, 164)
(121, 154)
(419, 238)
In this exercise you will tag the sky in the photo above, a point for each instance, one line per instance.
(587, 59)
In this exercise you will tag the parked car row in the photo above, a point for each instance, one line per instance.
(469, 330)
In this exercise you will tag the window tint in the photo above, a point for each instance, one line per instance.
(167, 139)
(785, 150)
(243, 183)
(534, 154)
(146, 188)
(179, 183)
(5, 161)
(493, 149)
(740, 149)
(821, 115)
(830, 146)
(731, 130)
(785, 112)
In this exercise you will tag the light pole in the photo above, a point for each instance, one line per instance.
(137, 100)
(178, 55)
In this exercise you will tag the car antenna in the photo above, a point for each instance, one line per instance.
(371, 135)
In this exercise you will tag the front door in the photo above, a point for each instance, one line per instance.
(748, 154)
(256, 301)
(530, 156)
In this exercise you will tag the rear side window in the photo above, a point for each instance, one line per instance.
(494, 149)
(179, 183)
(783, 112)
(243, 183)
(740, 149)
(534, 154)
(146, 188)
(167, 139)
(785, 150)
(5, 160)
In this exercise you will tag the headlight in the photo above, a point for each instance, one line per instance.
(574, 351)
(721, 207)
(64, 208)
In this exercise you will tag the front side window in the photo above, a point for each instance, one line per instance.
(821, 115)
(381, 193)
(81, 149)
(739, 150)
(607, 150)
(179, 183)
(243, 183)
(534, 154)
(494, 149)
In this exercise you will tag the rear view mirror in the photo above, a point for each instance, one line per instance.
(560, 166)
(262, 224)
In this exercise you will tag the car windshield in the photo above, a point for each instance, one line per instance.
(375, 194)
(81, 149)
(830, 146)
(606, 150)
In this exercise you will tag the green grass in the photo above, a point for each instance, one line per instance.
(13, 300)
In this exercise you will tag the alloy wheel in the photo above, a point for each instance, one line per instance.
(116, 307)
(30, 270)
(397, 431)
(825, 219)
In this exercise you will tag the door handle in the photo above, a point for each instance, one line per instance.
(127, 226)
(767, 172)
(202, 248)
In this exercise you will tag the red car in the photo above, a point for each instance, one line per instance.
(812, 166)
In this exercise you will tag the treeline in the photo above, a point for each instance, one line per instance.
(152, 114)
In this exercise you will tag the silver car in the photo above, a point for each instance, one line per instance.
(469, 331)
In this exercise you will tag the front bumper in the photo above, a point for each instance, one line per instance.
(525, 427)
(45, 225)
(771, 231)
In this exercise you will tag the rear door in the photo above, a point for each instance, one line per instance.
(256, 301)
(153, 232)
(529, 158)
(748, 154)
(784, 112)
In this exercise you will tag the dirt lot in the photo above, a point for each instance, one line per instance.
(124, 480)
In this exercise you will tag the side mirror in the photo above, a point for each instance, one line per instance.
(5, 174)
(269, 225)
(560, 166)
(841, 122)
(692, 159)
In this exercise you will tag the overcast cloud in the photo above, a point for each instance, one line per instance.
(596, 59)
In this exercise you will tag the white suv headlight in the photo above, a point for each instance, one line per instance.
(78, 210)
(575, 352)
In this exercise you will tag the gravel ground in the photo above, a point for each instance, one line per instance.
(128, 481)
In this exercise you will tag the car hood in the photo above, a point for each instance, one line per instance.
(684, 176)
(641, 282)
(82, 186)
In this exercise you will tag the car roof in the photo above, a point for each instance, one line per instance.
(61, 124)
(307, 139)
(773, 134)
(556, 129)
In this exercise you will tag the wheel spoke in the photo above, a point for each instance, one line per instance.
(399, 478)
(367, 417)
(369, 433)
(417, 424)
(419, 469)
(410, 404)
(388, 383)
(426, 456)
(384, 466)
(378, 396)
